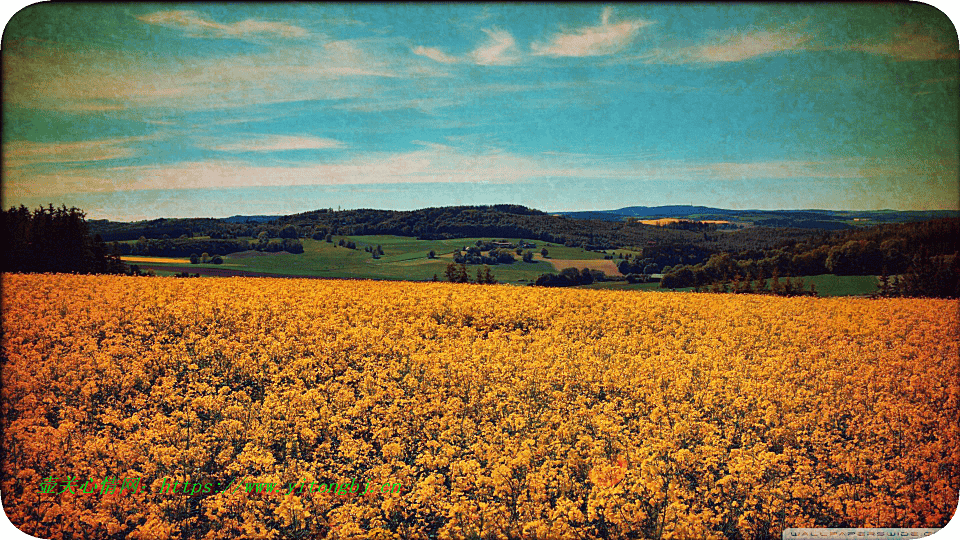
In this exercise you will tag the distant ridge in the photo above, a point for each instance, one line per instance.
(669, 210)
(806, 219)
(250, 219)
(599, 228)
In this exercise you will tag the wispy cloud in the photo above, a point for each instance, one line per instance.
(432, 163)
(58, 78)
(196, 26)
(436, 55)
(750, 45)
(782, 169)
(441, 163)
(25, 153)
(910, 44)
(732, 47)
(607, 38)
(355, 58)
(499, 48)
(274, 143)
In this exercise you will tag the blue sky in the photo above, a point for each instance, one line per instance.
(134, 111)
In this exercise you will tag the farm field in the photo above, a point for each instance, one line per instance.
(832, 285)
(668, 221)
(404, 259)
(158, 260)
(499, 411)
(608, 267)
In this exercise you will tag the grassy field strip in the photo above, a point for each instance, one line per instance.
(158, 260)
(170, 261)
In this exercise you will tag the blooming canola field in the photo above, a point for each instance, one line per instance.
(502, 412)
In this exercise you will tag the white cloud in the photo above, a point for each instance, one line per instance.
(355, 58)
(909, 44)
(442, 163)
(274, 143)
(783, 169)
(46, 77)
(24, 153)
(732, 48)
(194, 25)
(500, 48)
(432, 163)
(436, 55)
(600, 40)
(742, 47)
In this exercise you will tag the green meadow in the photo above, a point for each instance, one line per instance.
(408, 259)
(404, 258)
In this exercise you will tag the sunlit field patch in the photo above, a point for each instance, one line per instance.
(169, 260)
(668, 221)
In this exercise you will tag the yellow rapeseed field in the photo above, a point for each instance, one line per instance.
(500, 411)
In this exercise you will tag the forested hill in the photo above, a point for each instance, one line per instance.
(502, 221)
(511, 221)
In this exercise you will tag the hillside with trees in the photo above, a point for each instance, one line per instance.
(924, 254)
(501, 221)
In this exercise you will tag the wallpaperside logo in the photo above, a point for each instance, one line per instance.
(858, 534)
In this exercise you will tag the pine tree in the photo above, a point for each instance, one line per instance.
(761, 285)
(884, 285)
(456, 273)
(488, 276)
(775, 286)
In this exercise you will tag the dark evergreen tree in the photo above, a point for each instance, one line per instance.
(456, 273)
(53, 240)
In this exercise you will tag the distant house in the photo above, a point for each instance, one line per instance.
(656, 277)
(499, 245)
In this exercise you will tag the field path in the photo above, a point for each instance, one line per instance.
(605, 265)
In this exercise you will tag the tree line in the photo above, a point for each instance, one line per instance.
(569, 277)
(51, 239)
(457, 273)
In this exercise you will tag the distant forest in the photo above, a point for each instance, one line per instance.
(924, 256)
